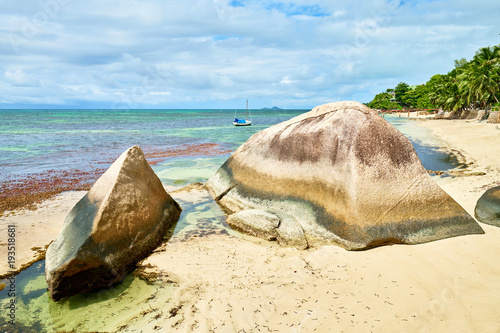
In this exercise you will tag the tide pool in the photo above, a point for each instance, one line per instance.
(114, 308)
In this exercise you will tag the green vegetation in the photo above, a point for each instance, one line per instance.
(384, 101)
(470, 85)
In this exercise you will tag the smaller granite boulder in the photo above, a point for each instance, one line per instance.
(488, 207)
(122, 218)
(255, 222)
(270, 226)
(494, 117)
(290, 233)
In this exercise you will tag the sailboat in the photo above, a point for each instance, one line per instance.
(243, 122)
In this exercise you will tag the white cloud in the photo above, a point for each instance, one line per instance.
(18, 77)
(186, 54)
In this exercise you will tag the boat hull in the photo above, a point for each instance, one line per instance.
(246, 123)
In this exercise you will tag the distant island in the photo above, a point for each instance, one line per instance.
(273, 108)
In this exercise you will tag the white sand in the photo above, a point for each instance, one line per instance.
(412, 114)
(479, 143)
(229, 284)
(35, 229)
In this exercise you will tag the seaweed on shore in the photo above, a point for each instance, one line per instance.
(27, 191)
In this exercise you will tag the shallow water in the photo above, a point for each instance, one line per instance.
(107, 309)
(430, 150)
(33, 141)
(103, 310)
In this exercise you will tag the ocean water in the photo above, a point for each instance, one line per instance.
(37, 141)
(431, 150)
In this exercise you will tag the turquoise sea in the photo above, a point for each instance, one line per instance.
(37, 141)
(41, 141)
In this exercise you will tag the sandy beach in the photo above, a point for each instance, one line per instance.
(412, 114)
(226, 283)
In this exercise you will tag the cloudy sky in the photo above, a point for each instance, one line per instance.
(218, 53)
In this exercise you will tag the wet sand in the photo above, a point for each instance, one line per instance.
(225, 283)
(478, 146)
(35, 229)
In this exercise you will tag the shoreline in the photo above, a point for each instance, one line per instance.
(18, 193)
(478, 145)
(409, 114)
(227, 284)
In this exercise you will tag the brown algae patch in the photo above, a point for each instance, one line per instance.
(30, 190)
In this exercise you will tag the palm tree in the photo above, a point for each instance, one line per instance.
(469, 85)
(480, 79)
(456, 100)
(437, 90)
(445, 91)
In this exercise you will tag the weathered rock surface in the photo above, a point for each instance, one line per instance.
(464, 114)
(255, 222)
(123, 217)
(290, 232)
(270, 226)
(494, 117)
(345, 175)
(488, 207)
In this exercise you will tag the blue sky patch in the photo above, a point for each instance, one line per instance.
(236, 4)
(293, 9)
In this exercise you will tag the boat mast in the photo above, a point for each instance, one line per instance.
(246, 112)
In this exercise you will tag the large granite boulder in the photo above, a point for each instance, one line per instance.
(343, 175)
(488, 207)
(123, 217)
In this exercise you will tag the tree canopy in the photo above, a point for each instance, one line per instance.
(383, 101)
(469, 85)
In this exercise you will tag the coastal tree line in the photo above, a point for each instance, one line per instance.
(473, 84)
